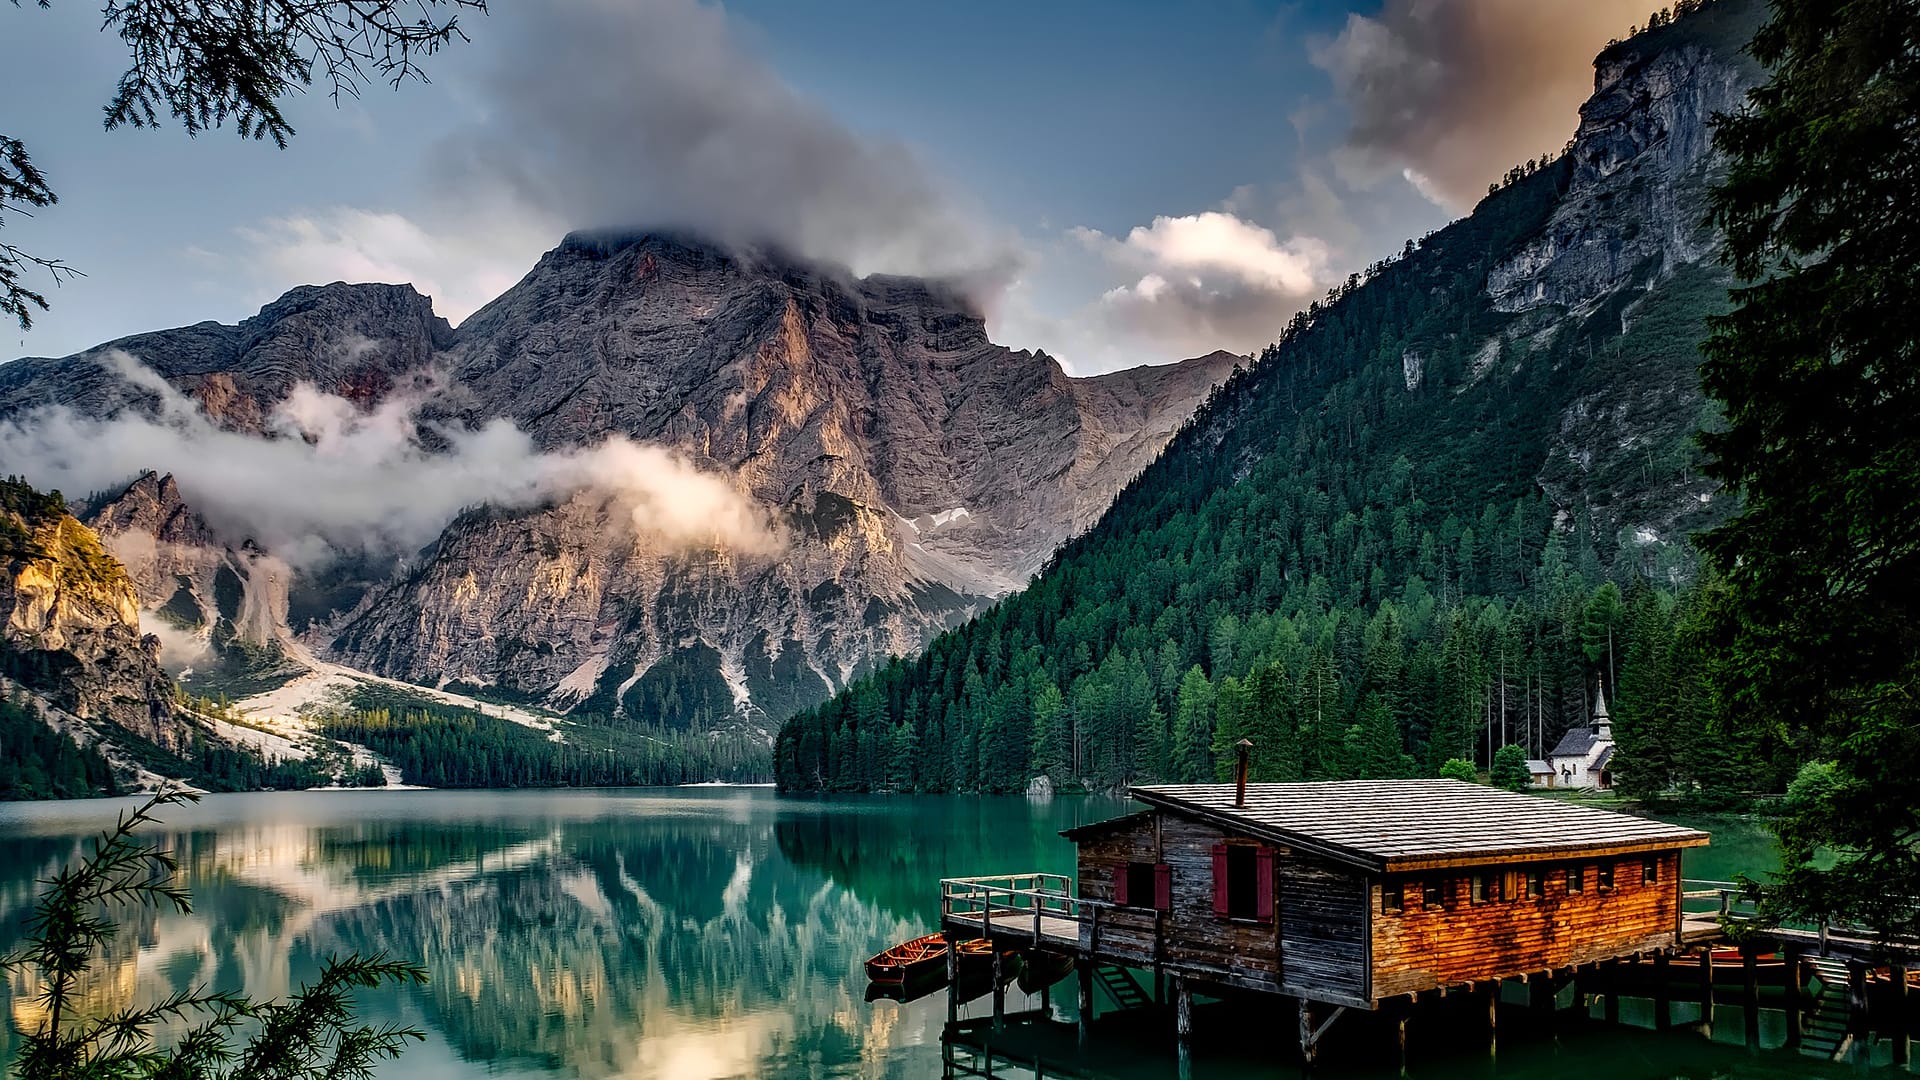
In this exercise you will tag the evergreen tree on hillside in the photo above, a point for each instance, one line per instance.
(1817, 633)
(1349, 555)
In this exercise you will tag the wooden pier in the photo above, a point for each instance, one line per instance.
(1385, 897)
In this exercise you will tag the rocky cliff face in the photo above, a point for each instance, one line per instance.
(1628, 244)
(71, 622)
(915, 470)
(1643, 160)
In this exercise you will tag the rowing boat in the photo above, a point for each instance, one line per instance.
(909, 961)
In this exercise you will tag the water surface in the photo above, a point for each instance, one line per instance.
(690, 933)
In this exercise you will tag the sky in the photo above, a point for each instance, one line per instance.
(1115, 183)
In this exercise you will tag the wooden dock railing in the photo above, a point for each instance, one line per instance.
(1039, 905)
(1726, 902)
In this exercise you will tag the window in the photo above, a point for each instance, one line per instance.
(1393, 898)
(1649, 871)
(1243, 881)
(1143, 885)
(1435, 892)
(1536, 885)
(1486, 888)
(1606, 876)
(1576, 880)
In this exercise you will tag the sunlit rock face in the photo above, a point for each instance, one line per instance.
(913, 470)
(70, 625)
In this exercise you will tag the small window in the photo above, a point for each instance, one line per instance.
(1143, 885)
(1434, 894)
(1606, 876)
(1243, 881)
(1536, 884)
(1393, 898)
(1140, 884)
(1649, 871)
(1486, 888)
(1576, 880)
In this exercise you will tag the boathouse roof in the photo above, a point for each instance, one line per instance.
(1393, 825)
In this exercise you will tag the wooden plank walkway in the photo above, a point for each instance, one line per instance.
(1053, 929)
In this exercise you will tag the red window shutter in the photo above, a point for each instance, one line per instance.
(1220, 880)
(1263, 884)
(1120, 884)
(1163, 886)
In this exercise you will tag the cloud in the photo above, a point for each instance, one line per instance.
(651, 112)
(1206, 281)
(1449, 94)
(331, 477)
(598, 114)
(460, 268)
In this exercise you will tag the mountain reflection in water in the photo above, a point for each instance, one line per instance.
(637, 934)
(702, 933)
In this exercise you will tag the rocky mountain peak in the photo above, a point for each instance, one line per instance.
(920, 470)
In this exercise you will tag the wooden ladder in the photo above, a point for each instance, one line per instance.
(1123, 988)
(1827, 1034)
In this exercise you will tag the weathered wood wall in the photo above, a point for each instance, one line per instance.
(1316, 945)
(1419, 949)
(1323, 931)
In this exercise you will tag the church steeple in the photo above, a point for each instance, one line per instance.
(1602, 723)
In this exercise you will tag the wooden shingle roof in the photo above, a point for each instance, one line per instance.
(1389, 825)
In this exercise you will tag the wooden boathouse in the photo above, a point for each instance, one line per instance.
(1343, 895)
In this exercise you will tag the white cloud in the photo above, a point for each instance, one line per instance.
(1205, 281)
(330, 477)
(460, 268)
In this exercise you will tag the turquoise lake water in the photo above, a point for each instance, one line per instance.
(698, 933)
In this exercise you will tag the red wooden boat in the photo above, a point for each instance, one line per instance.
(921, 958)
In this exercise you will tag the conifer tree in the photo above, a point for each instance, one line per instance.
(1818, 369)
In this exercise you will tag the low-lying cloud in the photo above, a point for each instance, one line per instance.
(1452, 93)
(332, 478)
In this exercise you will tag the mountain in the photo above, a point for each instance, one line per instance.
(914, 470)
(1451, 501)
(71, 629)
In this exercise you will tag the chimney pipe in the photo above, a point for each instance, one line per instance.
(1244, 746)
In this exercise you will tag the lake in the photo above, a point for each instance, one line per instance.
(686, 933)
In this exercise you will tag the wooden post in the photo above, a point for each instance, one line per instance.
(1085, 970)
(953, 980)
(1662, 1006)
(1182, 1010)
(1896, 1026)
(1750, 993)
(1403, 1013)
(999, 992)
(1309, 1046)
(1857, 999)
(1796, 994)
(1493, 1018)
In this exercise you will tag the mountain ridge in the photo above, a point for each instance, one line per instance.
(919, 470)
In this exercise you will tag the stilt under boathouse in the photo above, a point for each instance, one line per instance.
(1339, 896)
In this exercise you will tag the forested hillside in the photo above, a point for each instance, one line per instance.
(1426, 523)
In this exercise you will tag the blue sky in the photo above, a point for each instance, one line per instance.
(1120, 182)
